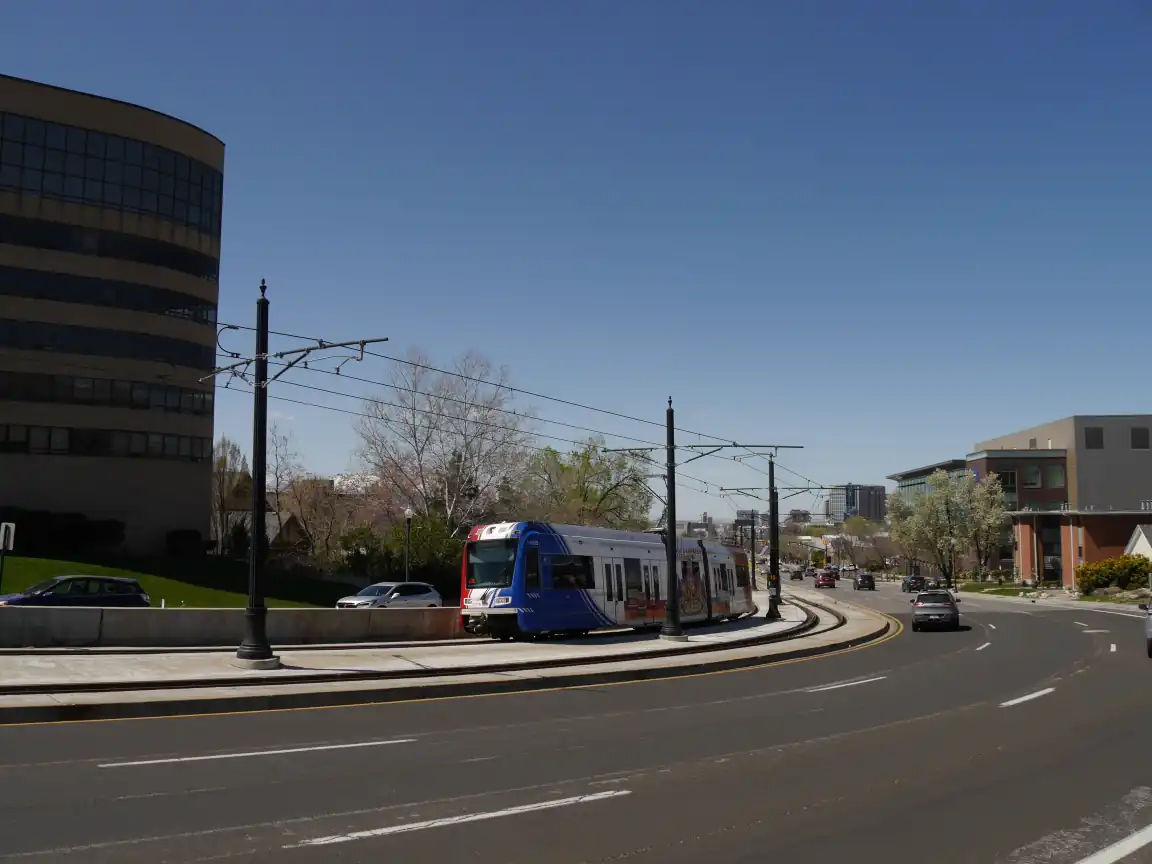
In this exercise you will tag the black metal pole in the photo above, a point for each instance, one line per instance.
(773, 540)
(407, 545)
(752, 547)
(255, 647)
(671, 628)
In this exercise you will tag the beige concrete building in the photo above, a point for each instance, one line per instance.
(110, 220)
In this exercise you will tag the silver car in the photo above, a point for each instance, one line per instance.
(935, 609)
(393, 595)
(1147, 608)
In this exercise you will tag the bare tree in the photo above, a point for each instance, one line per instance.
(283, 468)
(229, 467)
(445, 443)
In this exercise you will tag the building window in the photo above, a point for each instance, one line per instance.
(1140, 438)
(132, 296)
(93, 341)
(1030, 478)
(58, 237)
(61, 440)
(74, 164)
(1093, 437)
(1031, 443)
(1008, 480)
(1055, 477)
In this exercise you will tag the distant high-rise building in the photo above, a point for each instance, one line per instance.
(852, 499)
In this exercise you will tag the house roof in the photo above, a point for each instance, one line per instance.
(1144, 531)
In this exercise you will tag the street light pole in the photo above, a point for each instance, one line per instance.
(255, 652)
(671, 629)
(773, 540)
(407, 540)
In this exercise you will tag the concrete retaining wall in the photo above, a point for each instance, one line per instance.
(45, 627)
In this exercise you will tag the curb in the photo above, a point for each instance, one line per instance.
(418, 692)
(807, 624)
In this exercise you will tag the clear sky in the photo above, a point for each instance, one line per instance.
(881, 230)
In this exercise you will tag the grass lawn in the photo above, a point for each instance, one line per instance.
(204, 583)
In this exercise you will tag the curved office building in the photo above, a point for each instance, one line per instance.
(109, 265)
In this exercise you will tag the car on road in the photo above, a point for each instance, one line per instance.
(1147, 608)
(864, 582)
(935, 609)
(393, 595)
(912, 584)
(826, 580)
(796, 573)
(81, 590)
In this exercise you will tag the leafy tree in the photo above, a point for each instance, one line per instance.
(230, 480)
(988, 518)
(587, 487)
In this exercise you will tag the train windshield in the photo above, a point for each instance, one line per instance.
(490, 563)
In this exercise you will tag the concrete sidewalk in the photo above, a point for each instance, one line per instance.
(55, 688)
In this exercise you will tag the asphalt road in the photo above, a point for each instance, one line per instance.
(901, 751)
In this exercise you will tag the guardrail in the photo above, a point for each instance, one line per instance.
(52, 627)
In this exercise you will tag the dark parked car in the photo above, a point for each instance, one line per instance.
(913, 583)
(864, 582)
(81, 591)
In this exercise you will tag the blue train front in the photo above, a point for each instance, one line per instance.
(529, 578)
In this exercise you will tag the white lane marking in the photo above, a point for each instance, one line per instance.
(1028, 698)
(1113, 648)
(845, 684)
(1121, 850)
(1095, 631)
(1080, 623)
(985, 645)
(254, 753)
(459, 820)
(993, 626)
(1101, 831)
(478, 759)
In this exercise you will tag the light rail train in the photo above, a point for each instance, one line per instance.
(522, 579)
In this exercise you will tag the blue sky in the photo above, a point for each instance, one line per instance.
(880, 230)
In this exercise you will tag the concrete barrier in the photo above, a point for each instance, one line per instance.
(47, 627)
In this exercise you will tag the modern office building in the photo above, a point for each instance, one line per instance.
(1077, 488)
(916, 480)
(110, 218)
(852, 499)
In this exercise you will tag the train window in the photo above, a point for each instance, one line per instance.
(742, 576)
(608, 581)
(633, 582)
(655, 583)
(620, 595)
(490, 563)
(532, 569)
(572, 573)
(647, 585)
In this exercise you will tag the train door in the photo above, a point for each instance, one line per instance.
(658, 607)
(611, 596)
(709, 579)
(722, 605)
(637, 602)
(650, 592)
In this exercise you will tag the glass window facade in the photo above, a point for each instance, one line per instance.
(63, 441)
(76, 390)
(58, 237)
(98, 342)
(65, 288)
(74, 164)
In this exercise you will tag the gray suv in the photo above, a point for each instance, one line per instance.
(393, 595)
(935, 609)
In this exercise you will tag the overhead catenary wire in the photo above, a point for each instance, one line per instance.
(392, 423)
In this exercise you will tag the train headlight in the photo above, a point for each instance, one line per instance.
(503, 601)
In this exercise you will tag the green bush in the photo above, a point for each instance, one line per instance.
(1122, 572)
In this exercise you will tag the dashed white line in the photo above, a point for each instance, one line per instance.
(1095, 631)
(985, 645)
(1113, 648)
(1028, 698)
(254, 753)
(993, 626)
(1080, 623)
(845, 684)
(1119, 851)
(458, 820)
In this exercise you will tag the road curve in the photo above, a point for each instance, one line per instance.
(992, 744)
